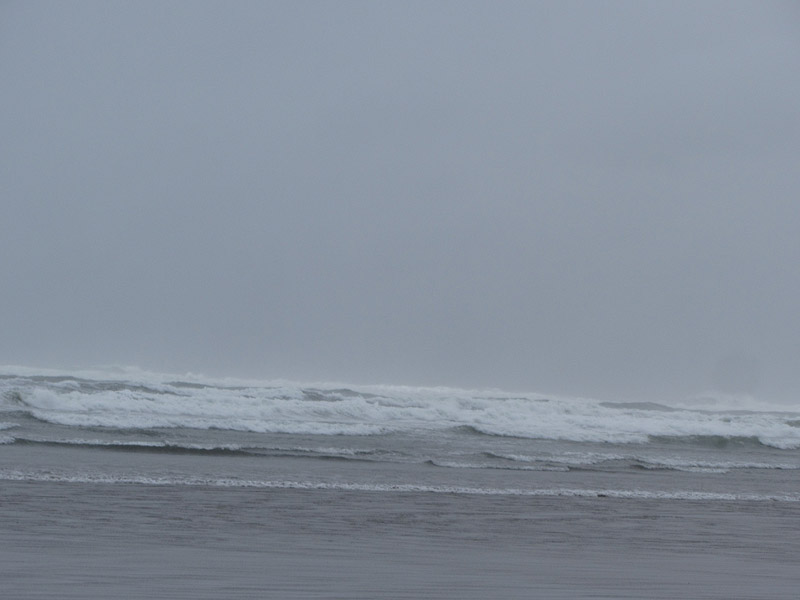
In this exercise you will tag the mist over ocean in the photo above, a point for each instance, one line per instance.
(133, 484)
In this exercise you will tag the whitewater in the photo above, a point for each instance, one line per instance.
(324, 479)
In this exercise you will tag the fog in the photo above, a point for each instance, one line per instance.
(584, 198)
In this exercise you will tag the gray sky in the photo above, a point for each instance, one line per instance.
(597, 198)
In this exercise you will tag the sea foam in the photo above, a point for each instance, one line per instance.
(283, 407)
(226, 482)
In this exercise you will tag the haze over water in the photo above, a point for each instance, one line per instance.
(584, 199)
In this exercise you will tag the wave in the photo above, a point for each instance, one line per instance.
(623, 494)
(549, 462)
(166, 447)
(146, 403)
(567, 460)
(220, 449)
(590, 460)
(638, 406)
(451, 464)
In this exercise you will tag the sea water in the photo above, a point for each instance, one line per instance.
(126, 484)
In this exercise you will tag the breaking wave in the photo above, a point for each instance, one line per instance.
(147, 402)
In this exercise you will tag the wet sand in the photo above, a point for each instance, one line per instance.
(88, 541)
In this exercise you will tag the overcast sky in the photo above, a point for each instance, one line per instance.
(595, 198)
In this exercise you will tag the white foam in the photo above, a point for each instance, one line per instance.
(134, 443)
(284, 407)
(567, 458)
(586, 459)
(467, 465)
(714, 466)
(637, 494)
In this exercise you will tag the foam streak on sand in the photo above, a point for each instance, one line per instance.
(688, 495)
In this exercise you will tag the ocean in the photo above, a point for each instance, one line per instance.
(121, 483)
